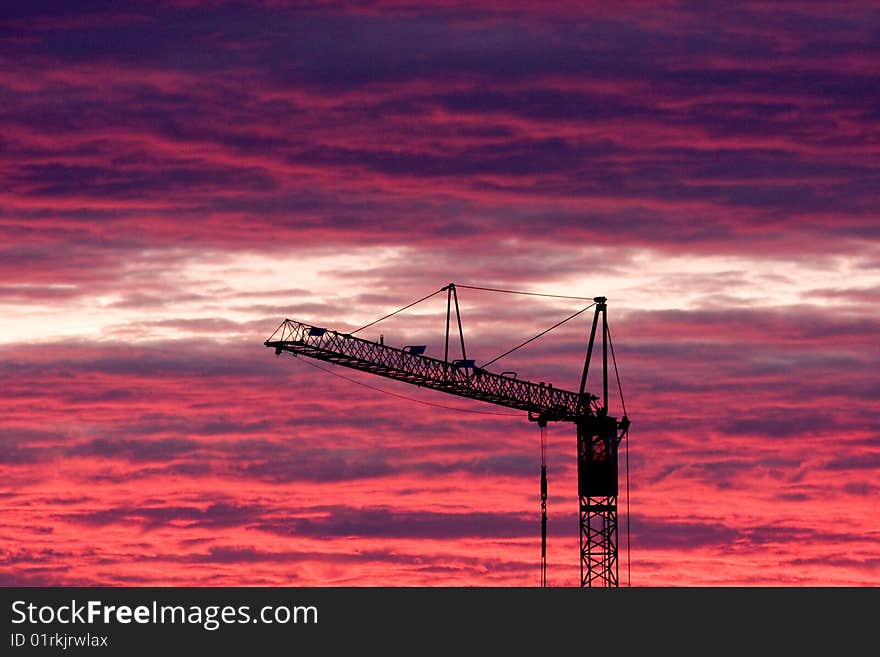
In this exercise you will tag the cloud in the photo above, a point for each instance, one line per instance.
(178, 177)
(388, 523)
(216, 515)
(867, 461)
(135, 450)
(654, 533)
(516, 129)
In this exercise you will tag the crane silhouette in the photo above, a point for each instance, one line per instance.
(598, 433)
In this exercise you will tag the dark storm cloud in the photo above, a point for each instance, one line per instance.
(136, 450)
(865, 461)
(651, 533)
(319, 465)
(332, 522)
(513, 465)
(216, 515)
(724, 150)
(388, 522)
(24, 455)
(160, 360)
(656, 533)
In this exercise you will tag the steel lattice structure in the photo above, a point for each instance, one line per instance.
(598, 435)
(455, 377)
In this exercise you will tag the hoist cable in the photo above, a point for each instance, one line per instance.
(543, 505)
(412, 399)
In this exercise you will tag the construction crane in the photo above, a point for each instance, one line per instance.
(598, 433)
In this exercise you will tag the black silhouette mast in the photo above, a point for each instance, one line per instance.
(598, 434)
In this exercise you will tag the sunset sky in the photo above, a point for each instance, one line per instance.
(177, 177)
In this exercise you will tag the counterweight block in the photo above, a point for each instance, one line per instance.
(597, 456)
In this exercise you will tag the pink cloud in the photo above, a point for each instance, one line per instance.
(524, 147)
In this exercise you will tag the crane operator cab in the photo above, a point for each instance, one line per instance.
(597, 456)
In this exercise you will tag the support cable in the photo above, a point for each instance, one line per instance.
(523, 344)
(531, 294)
(626, 458)
(616, 373)
(410, 305)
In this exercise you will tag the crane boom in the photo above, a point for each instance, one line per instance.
(459, 377)
(598, 434)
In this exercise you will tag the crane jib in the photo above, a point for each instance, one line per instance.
(598, 434)
(460, 377)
